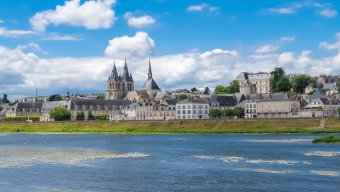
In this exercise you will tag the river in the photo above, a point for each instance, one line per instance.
(207, 162)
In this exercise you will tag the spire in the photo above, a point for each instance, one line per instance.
(126, 75)
(131, 77)
(114, 74)
(149, 72)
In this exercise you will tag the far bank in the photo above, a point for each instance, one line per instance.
(275, 126)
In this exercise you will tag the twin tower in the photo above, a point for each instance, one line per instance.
(119, 85)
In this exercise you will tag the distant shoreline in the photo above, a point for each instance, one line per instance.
(259, 126)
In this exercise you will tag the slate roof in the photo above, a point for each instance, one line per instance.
(99, 102)
(225, 100)
(187, 101)
(150, 83)
(33, 106)
(171, 101)
(53, 104)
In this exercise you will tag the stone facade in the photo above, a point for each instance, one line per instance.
(192, 109)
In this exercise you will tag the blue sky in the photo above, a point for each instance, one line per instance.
(59, 46)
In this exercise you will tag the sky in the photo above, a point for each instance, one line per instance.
(70, 46)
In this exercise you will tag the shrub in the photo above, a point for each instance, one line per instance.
(90, 116)
(102, 117)
(22, 118)
(80, 116)
(60, 114)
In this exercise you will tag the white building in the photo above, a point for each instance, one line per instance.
(250, 111)
(192, 109)
(259, 81)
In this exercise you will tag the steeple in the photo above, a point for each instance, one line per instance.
(149, 72)
(126, 74)
(114, 74)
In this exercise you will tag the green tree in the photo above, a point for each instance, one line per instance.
(5, 99)
(234, 87)
(55, 97)
(220, 89)
(215, 113)
(100, 97)
(80, 116)
(90, 116)
(276, 75)
(181, 97)
(194, 89)
(207, 90)
(60, 114)
(283, 85)
(229, 113)
(239, 112)
(299, 82)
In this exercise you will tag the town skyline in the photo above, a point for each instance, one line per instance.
(58, 47)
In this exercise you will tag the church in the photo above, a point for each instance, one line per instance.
(122, 86)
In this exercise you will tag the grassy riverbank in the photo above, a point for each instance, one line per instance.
(328, 139)
(155, 127)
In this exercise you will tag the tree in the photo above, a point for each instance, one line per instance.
(60, 114)
(215, 113)
(239, 112)
(194, 89)
(220, 89)
(55, 97)
(283, 85)
(5, 99)
(181, 97)
(90, 116)
(300, 82)
(80, 116)
(276, 76)
(234, 87)
(229, 113)
(100, 97)
(206, 90)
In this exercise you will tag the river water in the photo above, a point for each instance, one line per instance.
(216, 162)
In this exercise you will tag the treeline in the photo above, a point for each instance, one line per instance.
(226, 113)
(234, 87)
(22, 118)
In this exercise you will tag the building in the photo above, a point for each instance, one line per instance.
(150, 84)
(251, 83)
(227, 101)
(192, 109)
(119, 85)
(48, 106)
(25, 109)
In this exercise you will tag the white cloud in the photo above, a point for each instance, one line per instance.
(2, 21)
(202, 7)
(32, 47)
(286, 58)
(328, 13)
(59, 37)
(288, 38)
(92, 14)
(139, 22)
(140, 45)
(328, 46)
(281, 10)
(4, 32)
(268, 48)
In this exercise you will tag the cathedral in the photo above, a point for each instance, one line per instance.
(119, 85)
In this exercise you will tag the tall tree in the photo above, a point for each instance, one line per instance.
(300, 82)
(283, 85)
(194, 89)
(234, 87)
(276, 75)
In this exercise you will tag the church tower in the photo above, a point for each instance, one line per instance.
(150, 84)
(117, 86)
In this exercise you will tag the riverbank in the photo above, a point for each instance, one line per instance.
(169, 127)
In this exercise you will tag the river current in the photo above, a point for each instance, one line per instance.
(207, 162)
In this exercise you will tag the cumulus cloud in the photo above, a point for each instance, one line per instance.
(328, 13)
(202, 7)
(32, 47)
(4, 32)
(92, 14)
(60, 37)
(288, 38)
(139, 22)
(286, 58)
(331, 46)
(140, 45)
(268, 48)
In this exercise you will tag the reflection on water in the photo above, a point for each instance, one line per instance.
(167, 163)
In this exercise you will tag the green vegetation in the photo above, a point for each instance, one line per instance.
(233, 87)
(102, 117)
(163, 127)
(22, 118)
(300, 81)
(100, 97)
(55, 97)
(194, 89)
(80, 116)
(226, 113)
(181, 97)
(278, 81)
(90, 116)
(328, 139)
(60, 114)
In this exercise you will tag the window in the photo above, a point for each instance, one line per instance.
(178, 111)
(189, 111)
(184, 107)
(178, 107)
(183, 112)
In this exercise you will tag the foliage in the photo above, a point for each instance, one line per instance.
(100, 97)
(278, 81)
(215, 113)
(234, 87)
(239, 112)
(80, 116)
(90, 116)
(324, 91)
(5, 99)
(22, 118)
(55, 97)
(229, 113)
(328, 139)
(60, 114)
(300, 82)
(338, 86)
(283, 85)
(207, 90)
(181, 97)
(102, 117)
(194, 89)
